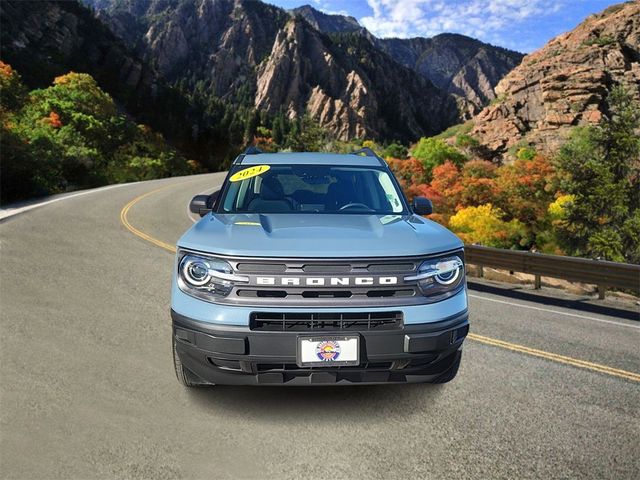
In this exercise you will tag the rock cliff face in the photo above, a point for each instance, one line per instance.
(306, 71)
(252, 53)
(565, 83)
(217, 41)
(301, 74)
(459, 65)
(327, 23)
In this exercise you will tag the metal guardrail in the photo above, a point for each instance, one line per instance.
(595, 272)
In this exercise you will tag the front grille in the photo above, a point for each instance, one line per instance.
(345, 292)
(351, 294)
(325, 322)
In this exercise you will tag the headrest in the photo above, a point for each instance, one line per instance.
(271, 189)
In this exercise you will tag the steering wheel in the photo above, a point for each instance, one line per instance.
(355, 205)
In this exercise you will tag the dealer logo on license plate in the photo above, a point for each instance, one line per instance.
(328, 351)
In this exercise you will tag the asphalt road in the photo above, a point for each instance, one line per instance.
(88, 388)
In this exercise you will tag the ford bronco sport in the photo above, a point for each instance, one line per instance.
(312, 268)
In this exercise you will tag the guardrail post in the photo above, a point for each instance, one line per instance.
(537, 282)
(601, 291)
(480, 271)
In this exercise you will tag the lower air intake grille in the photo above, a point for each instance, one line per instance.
(325, 322)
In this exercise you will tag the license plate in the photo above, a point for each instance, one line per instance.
(328, 351)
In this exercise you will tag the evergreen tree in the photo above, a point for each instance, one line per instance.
(600, 169)
(251, 125)
(278, 130)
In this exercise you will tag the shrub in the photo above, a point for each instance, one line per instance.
(433, 152)
(484, 225)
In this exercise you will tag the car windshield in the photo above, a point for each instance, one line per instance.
(311, 189)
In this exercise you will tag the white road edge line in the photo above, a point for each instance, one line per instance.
(602, 320)
(10, 212)
(208, 190)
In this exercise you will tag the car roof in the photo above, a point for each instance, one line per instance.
(310, 158)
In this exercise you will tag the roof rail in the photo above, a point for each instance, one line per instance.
(369, 153)
(252, 150)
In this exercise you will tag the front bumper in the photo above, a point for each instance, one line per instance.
(235, 355)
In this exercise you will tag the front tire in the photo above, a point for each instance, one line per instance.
(186, 377)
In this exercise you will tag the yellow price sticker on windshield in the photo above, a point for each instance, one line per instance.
(249, 172)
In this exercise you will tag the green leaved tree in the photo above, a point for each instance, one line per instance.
(600, 168)
(433, 152)
(72, 135)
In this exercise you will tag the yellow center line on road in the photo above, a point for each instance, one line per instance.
(139, 233)
(596, 367)
(554, 357)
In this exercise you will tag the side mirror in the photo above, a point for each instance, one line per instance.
(203, 204)
(422, 206)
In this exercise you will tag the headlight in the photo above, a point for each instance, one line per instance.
(206, 277)
(439, 276)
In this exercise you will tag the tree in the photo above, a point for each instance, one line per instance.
(251, 125)
(484, 224)
(312, 136)
(29, 167)
(395, 150)
(408, 172)
(71, 135)
(278, 131)
(433, 152)
(478, 183)
(600, 167)
(447, 187)
(525, 188)
(12, 91)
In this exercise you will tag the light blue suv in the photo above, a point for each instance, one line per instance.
(312, 268)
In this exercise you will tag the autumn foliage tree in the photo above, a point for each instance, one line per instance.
(408, 172)
(485, 225)
(478, 184)
(447, 188)
(511, 200)
(525, 188)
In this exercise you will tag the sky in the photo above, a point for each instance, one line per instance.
(522, 25)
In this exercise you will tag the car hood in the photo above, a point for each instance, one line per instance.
(318, 235)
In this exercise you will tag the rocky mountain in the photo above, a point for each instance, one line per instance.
(459, 65)
(219, 42)
(327, 23)
(564, 84)
(249, 52)
(211, 63)
(350, 96)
